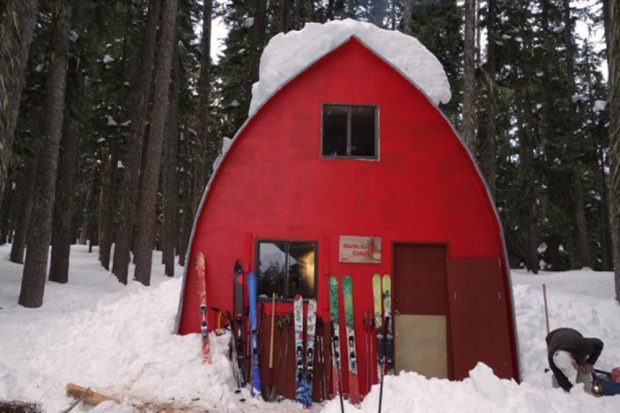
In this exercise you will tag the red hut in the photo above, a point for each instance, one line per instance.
(350, 169)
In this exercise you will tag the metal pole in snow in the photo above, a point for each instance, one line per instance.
(546, 311)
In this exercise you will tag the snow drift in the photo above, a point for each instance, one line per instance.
(289, 54)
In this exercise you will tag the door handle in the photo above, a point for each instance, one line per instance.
(396, 312)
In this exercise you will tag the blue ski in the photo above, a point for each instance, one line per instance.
(256, 390)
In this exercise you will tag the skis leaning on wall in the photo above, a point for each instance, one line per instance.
(237, 322)
(202, 301)
(377, 296)
(389, 335)
(334, 327)
(310, 336)
(347, 292)
(255, 376)
(298, 317)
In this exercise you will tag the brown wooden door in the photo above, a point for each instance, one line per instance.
(420, 309)
(479, 320)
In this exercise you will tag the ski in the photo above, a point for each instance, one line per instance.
(389, 336)
(202, 301)
(320, 354)
(310, 337)
(298, 316)
(378, 299)
(255, 376)
(334, 328)
(368, 323)
(237, 330)
(347, 293)
(233, 354)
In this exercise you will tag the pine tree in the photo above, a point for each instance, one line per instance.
(145, 239)
(16, 31)
(35, 267)
(131, 178)
(469, 79)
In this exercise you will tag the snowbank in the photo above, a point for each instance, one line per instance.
(288, 54)
(483, 392)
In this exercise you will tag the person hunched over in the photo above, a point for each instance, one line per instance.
(571, 357)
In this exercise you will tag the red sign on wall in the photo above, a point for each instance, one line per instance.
(366, 250)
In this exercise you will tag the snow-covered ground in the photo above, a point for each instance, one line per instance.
(118, 340)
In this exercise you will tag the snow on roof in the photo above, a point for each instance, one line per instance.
(289, 54)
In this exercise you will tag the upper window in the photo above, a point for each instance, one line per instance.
(350, 131)
(286, 268)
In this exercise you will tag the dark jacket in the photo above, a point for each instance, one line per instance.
(585, 350)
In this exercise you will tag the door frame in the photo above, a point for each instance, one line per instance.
(446, 245)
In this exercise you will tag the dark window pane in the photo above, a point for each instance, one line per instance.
(363, 131)
(301, 269)
(272, 269)
(335, 130)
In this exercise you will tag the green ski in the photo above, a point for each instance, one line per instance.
(347, 292)
(335, 339)
(377, 298)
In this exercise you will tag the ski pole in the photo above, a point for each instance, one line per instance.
(269, 388)
(366, 347)
(370, 358)
(273, 319)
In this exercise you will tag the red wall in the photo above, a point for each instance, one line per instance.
(273, 184)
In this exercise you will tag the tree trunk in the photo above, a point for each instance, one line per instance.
(16, 29)
(605, 234)
(207, 147)
(131, 178)
(187, 204)
(379, 9)
(285, 16)
(106, 204)
(62, 234)
(583, 244)
(469, 80)
(607, 30)
(529, 213)
(25, 212)
(487, 146)
(7, 208)
(258, 33)
(171, 190)
(35, 267)
(148, 193)
(407, 17)
(614, 134)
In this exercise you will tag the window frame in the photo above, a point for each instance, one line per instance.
(349, 106)
(288, 242)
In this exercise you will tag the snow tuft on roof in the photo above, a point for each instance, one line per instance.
(289, 54)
